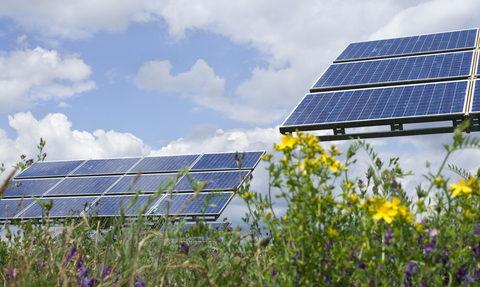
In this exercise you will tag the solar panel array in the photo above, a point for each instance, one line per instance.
(425, 78)
(105, 187)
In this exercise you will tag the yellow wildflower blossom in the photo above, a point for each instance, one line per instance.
(460, 188)
(438, 181)
(288, 142)
(386, 211)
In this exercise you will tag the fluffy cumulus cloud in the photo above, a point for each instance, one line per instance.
(297, 40)
(63, 142)
(27, 76)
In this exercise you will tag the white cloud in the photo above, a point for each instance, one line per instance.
(31, 75)
(64, 143)
(21, 39)
(63, 105)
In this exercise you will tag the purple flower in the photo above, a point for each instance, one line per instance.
(41, 263)
(184, 248)
(105, 272)
(274, 273)
(388, 237)
(44, 155)
(219, 240)
(29, 162)
(23, 156)
(139, 282)
(360, 182)
(70, 255)
(476, 230)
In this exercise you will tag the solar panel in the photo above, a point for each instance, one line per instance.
(476, 98)
(215, 161)
(410, 45)
(205, 203)
(83, 185)
(106, 166)
(165, 163)
(380, 103)
(30, 187)
(50, 169)
(220, 180)
(431, 67)
(147, 182)
(62, 207)
(14, 207)
(111, 205)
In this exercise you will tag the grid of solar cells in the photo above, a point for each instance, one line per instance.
(368, 104)
(30, 187)
(397, 70)
(147, 182)
(206, 203)
(476, 97)
(62, 207)
(165, 163)
(11, 205)
(226, 161)
(111, 205)
(83, 185)
(106, 166)
(54, 168)
(225, 180)
(409, 45)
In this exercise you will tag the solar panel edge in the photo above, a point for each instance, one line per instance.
(337, 60)
(46, 162)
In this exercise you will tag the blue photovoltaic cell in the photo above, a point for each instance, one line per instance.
(30, 187)
(11, 205)
(380, 103)
(209, 203)
(62, 207)
(397, 70)
(408, 45)
(226, 161)
(226, 180)
(83, 185)
(476, 97)
(165, 163)
(44, 169)
(106, 166)
(147, 182)
(111, 205)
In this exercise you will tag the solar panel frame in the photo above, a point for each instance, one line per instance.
(381, 72)
(289, 127)
(107, 167)
(146, 165)
(161, 207)
(12, 205)
(62, 207)
(46, 184)
(474, 107)
(226, 161)
(413, 46)
(108, 206)
(85, 185)
(39, 169)
(148, 183)
(216, 180)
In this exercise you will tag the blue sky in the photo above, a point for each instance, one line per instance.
(127, 78)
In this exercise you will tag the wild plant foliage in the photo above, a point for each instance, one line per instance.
(337, 231)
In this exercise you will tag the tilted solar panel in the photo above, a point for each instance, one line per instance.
(49, 169)
(218, 180)
(216, 161)
(83, 185)
(380, 103)
(106, 166)
(397, 70)
(111, 205)
(205, 203)
(30, 187)
(165, 163)
(410, 45)
(62, 207)
(475, 106)
(13, 206)
(146, 182)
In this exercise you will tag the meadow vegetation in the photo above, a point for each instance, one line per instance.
(337, 231)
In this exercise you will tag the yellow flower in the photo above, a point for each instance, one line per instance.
(405, 214)
(332, 232)
(467, 214)
(462, 187)
(288, 142)
(354, 198)
(386, 211)
(438, 181)
(348, 185)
